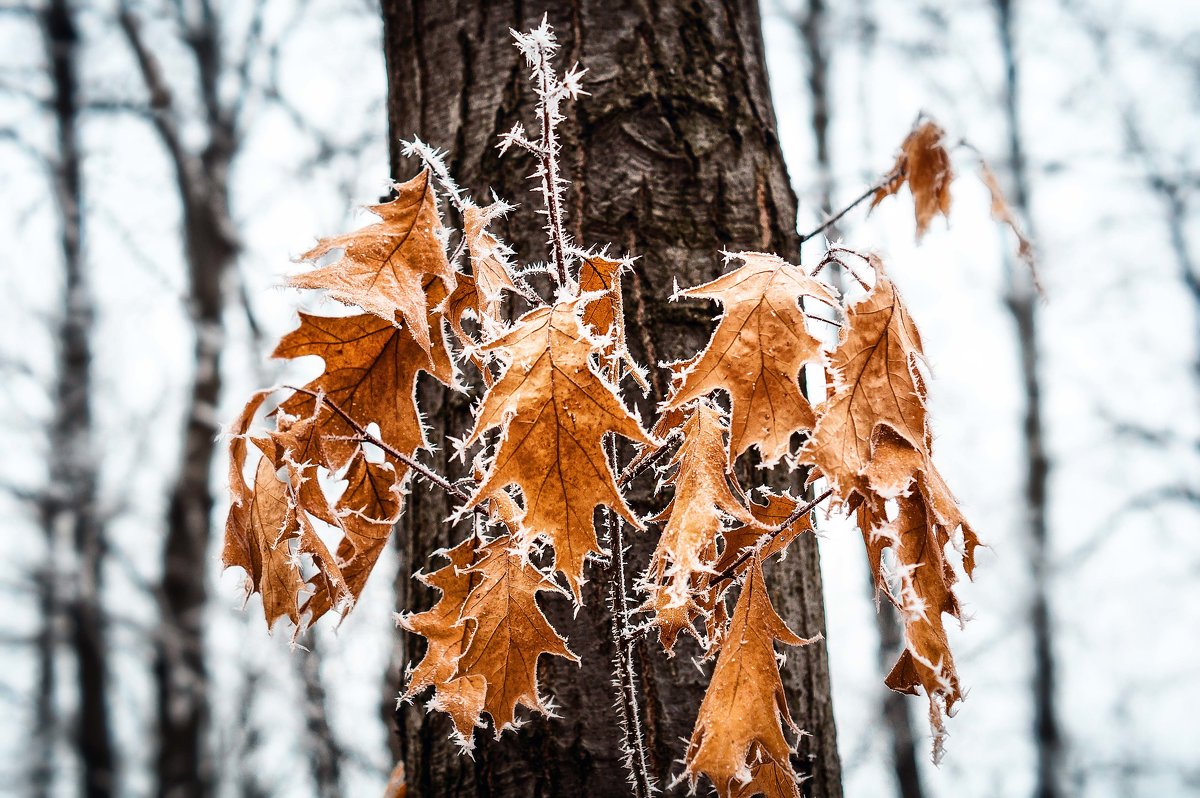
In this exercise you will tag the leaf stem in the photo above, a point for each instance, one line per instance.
(795, 516)
(366, 437)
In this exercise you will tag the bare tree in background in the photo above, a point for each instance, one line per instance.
(211, 243)
(812, 23)
(1174, 186)
(1022, 303)
(70, 584)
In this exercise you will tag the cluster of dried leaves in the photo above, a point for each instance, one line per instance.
(544, 459)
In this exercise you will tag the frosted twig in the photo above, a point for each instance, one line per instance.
(832, 220)
(435, 161)
(623, 679)
(539, 46)
(366, 437)
(795, 516)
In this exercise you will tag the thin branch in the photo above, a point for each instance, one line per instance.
(795, 516)
(627, 705)
(366, 437)
(832, 220)
(638, 465)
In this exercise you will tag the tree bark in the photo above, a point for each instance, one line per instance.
(1022, 305)
(70, 512)
(673, 157)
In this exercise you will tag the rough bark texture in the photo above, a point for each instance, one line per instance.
(1022, 304)
(183, 765)
(673, 157)
(69, 508)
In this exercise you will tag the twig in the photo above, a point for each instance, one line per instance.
(627, 704)
(832, 220)
(638, 466)
(795, 516)
(367, 437)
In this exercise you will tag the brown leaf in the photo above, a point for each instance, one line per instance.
(384, 266)
(757, 353)
(485, 635)
(925, 594)
(509, 631)
(1002, 212)
(397, 784)
(366, 512)
(744, 709)
(924, 164)
(771, 779)
(875, 381)
(896, 466)
(554, 411)
(370, 372)
(491, 261)
(447, 636)
(258, 536)
(605, 315)
(700, 512)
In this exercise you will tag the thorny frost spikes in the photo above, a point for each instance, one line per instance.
(539, 47)
(552, 403)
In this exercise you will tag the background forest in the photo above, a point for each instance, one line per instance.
(211, 142)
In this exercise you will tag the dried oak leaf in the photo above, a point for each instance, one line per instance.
(736, 556)
(370, 372)
(385, 266)
(757, 353)
(1002, 212)
(741, 718)
(925, 580)
(259, 531)
(702, 509)
(298, 447)
(876, 380)
(924, 164)
(509, 631)
(485, 635)
(770, 779)
(897, 468)
(366, 512)
(446, 634)
(554, 411)
(605, 315)
(491, 260)
(265, 533)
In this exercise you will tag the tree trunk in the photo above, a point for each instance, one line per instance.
(1022, 305)
(324, 751)
(674, 156)
(184, 764)
(72, 517)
